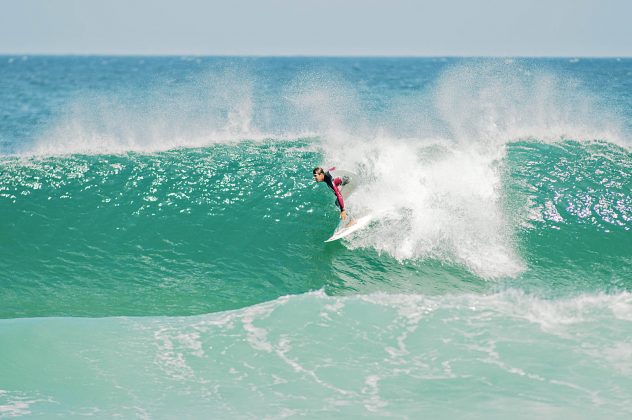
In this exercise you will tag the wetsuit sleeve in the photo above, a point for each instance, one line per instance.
(335, 183)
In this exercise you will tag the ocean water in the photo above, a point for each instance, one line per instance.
(162, 255)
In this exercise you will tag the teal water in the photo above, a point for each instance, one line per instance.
(162, 245)
(312, 355)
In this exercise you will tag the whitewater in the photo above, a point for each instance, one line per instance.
(162, 255)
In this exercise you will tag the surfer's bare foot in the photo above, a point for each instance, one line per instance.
(351, 223)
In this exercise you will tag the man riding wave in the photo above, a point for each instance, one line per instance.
(338, 182)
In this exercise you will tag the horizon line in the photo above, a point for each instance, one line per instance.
(41, 54)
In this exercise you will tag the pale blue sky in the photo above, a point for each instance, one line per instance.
(325, 27)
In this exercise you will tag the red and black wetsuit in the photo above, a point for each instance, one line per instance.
(333, 183)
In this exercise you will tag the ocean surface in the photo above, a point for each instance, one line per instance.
(162, 255)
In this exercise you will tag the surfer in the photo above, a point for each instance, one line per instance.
(334, 182)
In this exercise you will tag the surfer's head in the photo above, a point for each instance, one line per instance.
(319, 174)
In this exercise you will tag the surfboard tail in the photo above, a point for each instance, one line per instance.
(360, 223)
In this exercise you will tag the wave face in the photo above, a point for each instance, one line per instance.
(202, 230)
(177, 192)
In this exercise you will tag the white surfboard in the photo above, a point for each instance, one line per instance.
(360, 223)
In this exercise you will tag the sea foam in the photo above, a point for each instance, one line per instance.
(435, 162)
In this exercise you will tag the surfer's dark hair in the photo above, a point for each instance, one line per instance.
(318, 170)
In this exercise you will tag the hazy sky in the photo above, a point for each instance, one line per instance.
(324, 27)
